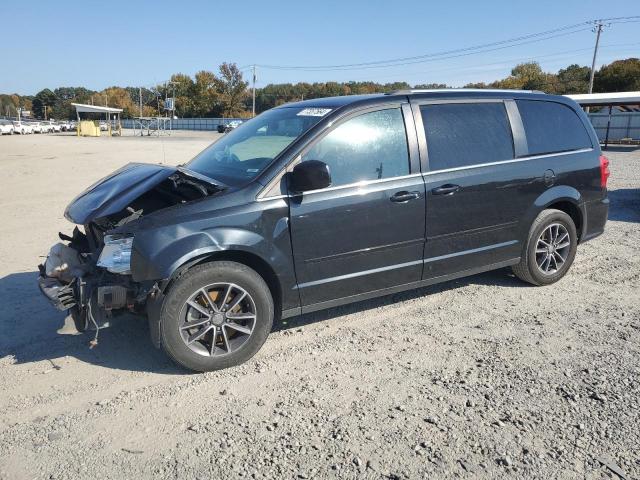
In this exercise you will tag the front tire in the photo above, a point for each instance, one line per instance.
(216, 315)
(549, 250)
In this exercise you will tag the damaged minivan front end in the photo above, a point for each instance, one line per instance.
(89, 273)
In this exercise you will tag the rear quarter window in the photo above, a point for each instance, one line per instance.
(552, 127)
(466, 134)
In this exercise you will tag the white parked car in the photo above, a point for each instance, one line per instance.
(36, 126)
(104, 126)
(22, 128)
(65, 125)
(6, 127)
(55, 127)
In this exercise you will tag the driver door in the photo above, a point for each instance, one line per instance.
(365, 232)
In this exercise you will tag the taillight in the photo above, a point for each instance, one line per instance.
(604, 171)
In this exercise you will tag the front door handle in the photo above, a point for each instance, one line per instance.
(404, 196)
(448, 189)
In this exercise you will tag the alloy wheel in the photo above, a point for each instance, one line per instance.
(552, 248)
(217, 319)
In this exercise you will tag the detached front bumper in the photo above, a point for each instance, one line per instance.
(62, 296)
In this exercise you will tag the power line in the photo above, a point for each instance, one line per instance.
(519, 59)
(472, 50)
(438, 58)
(428, 55)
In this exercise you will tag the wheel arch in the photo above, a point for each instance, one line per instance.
(249, 259)
(566, 199)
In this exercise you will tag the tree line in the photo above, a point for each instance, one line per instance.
(227, 94)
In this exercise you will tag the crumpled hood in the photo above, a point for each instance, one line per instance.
(116, 191)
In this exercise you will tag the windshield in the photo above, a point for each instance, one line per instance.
(242, 154)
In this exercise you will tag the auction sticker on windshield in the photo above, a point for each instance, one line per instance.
(314, 112)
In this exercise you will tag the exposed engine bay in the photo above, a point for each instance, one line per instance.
(89, 273)
(174, 190)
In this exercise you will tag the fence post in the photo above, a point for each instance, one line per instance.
(606, 139)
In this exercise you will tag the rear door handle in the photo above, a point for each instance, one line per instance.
(404, 196)
(448, 189)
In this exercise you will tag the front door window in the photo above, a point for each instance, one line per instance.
(371, 146)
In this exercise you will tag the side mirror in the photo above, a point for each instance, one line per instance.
(309, 175)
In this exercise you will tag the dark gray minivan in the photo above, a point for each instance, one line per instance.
(328, 201)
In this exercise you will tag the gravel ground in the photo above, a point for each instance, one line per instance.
(480, 377)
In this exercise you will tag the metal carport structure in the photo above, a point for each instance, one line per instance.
(95, 109)
(630, 100)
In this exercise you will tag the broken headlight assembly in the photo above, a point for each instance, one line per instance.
(116, 254)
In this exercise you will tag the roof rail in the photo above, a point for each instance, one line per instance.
(408, 91)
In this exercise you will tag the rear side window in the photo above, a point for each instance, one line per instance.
(371, 146)
(465, 134)
(552, 127)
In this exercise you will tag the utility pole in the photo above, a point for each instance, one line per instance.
(253, 109)
(598, 30)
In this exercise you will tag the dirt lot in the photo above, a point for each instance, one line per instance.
(481, 377)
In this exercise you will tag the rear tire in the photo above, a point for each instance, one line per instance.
(549, 250)
(234, 332)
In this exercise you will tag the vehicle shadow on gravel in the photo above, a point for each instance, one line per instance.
(32, 330)
(625, 205)
(499, 278)
(29, 332)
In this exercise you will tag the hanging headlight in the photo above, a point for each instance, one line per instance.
(116, 254)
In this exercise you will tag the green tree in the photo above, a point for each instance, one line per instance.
(390, 87)
(477, 85)
(44, 98)
(430, 86)
(67, 95)
(528, 76)
(183, 86)
(76, 94)
(205, 95)
(618, 76)
(231, 89)
(573, 79)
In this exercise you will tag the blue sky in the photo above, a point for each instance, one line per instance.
(128, 43)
